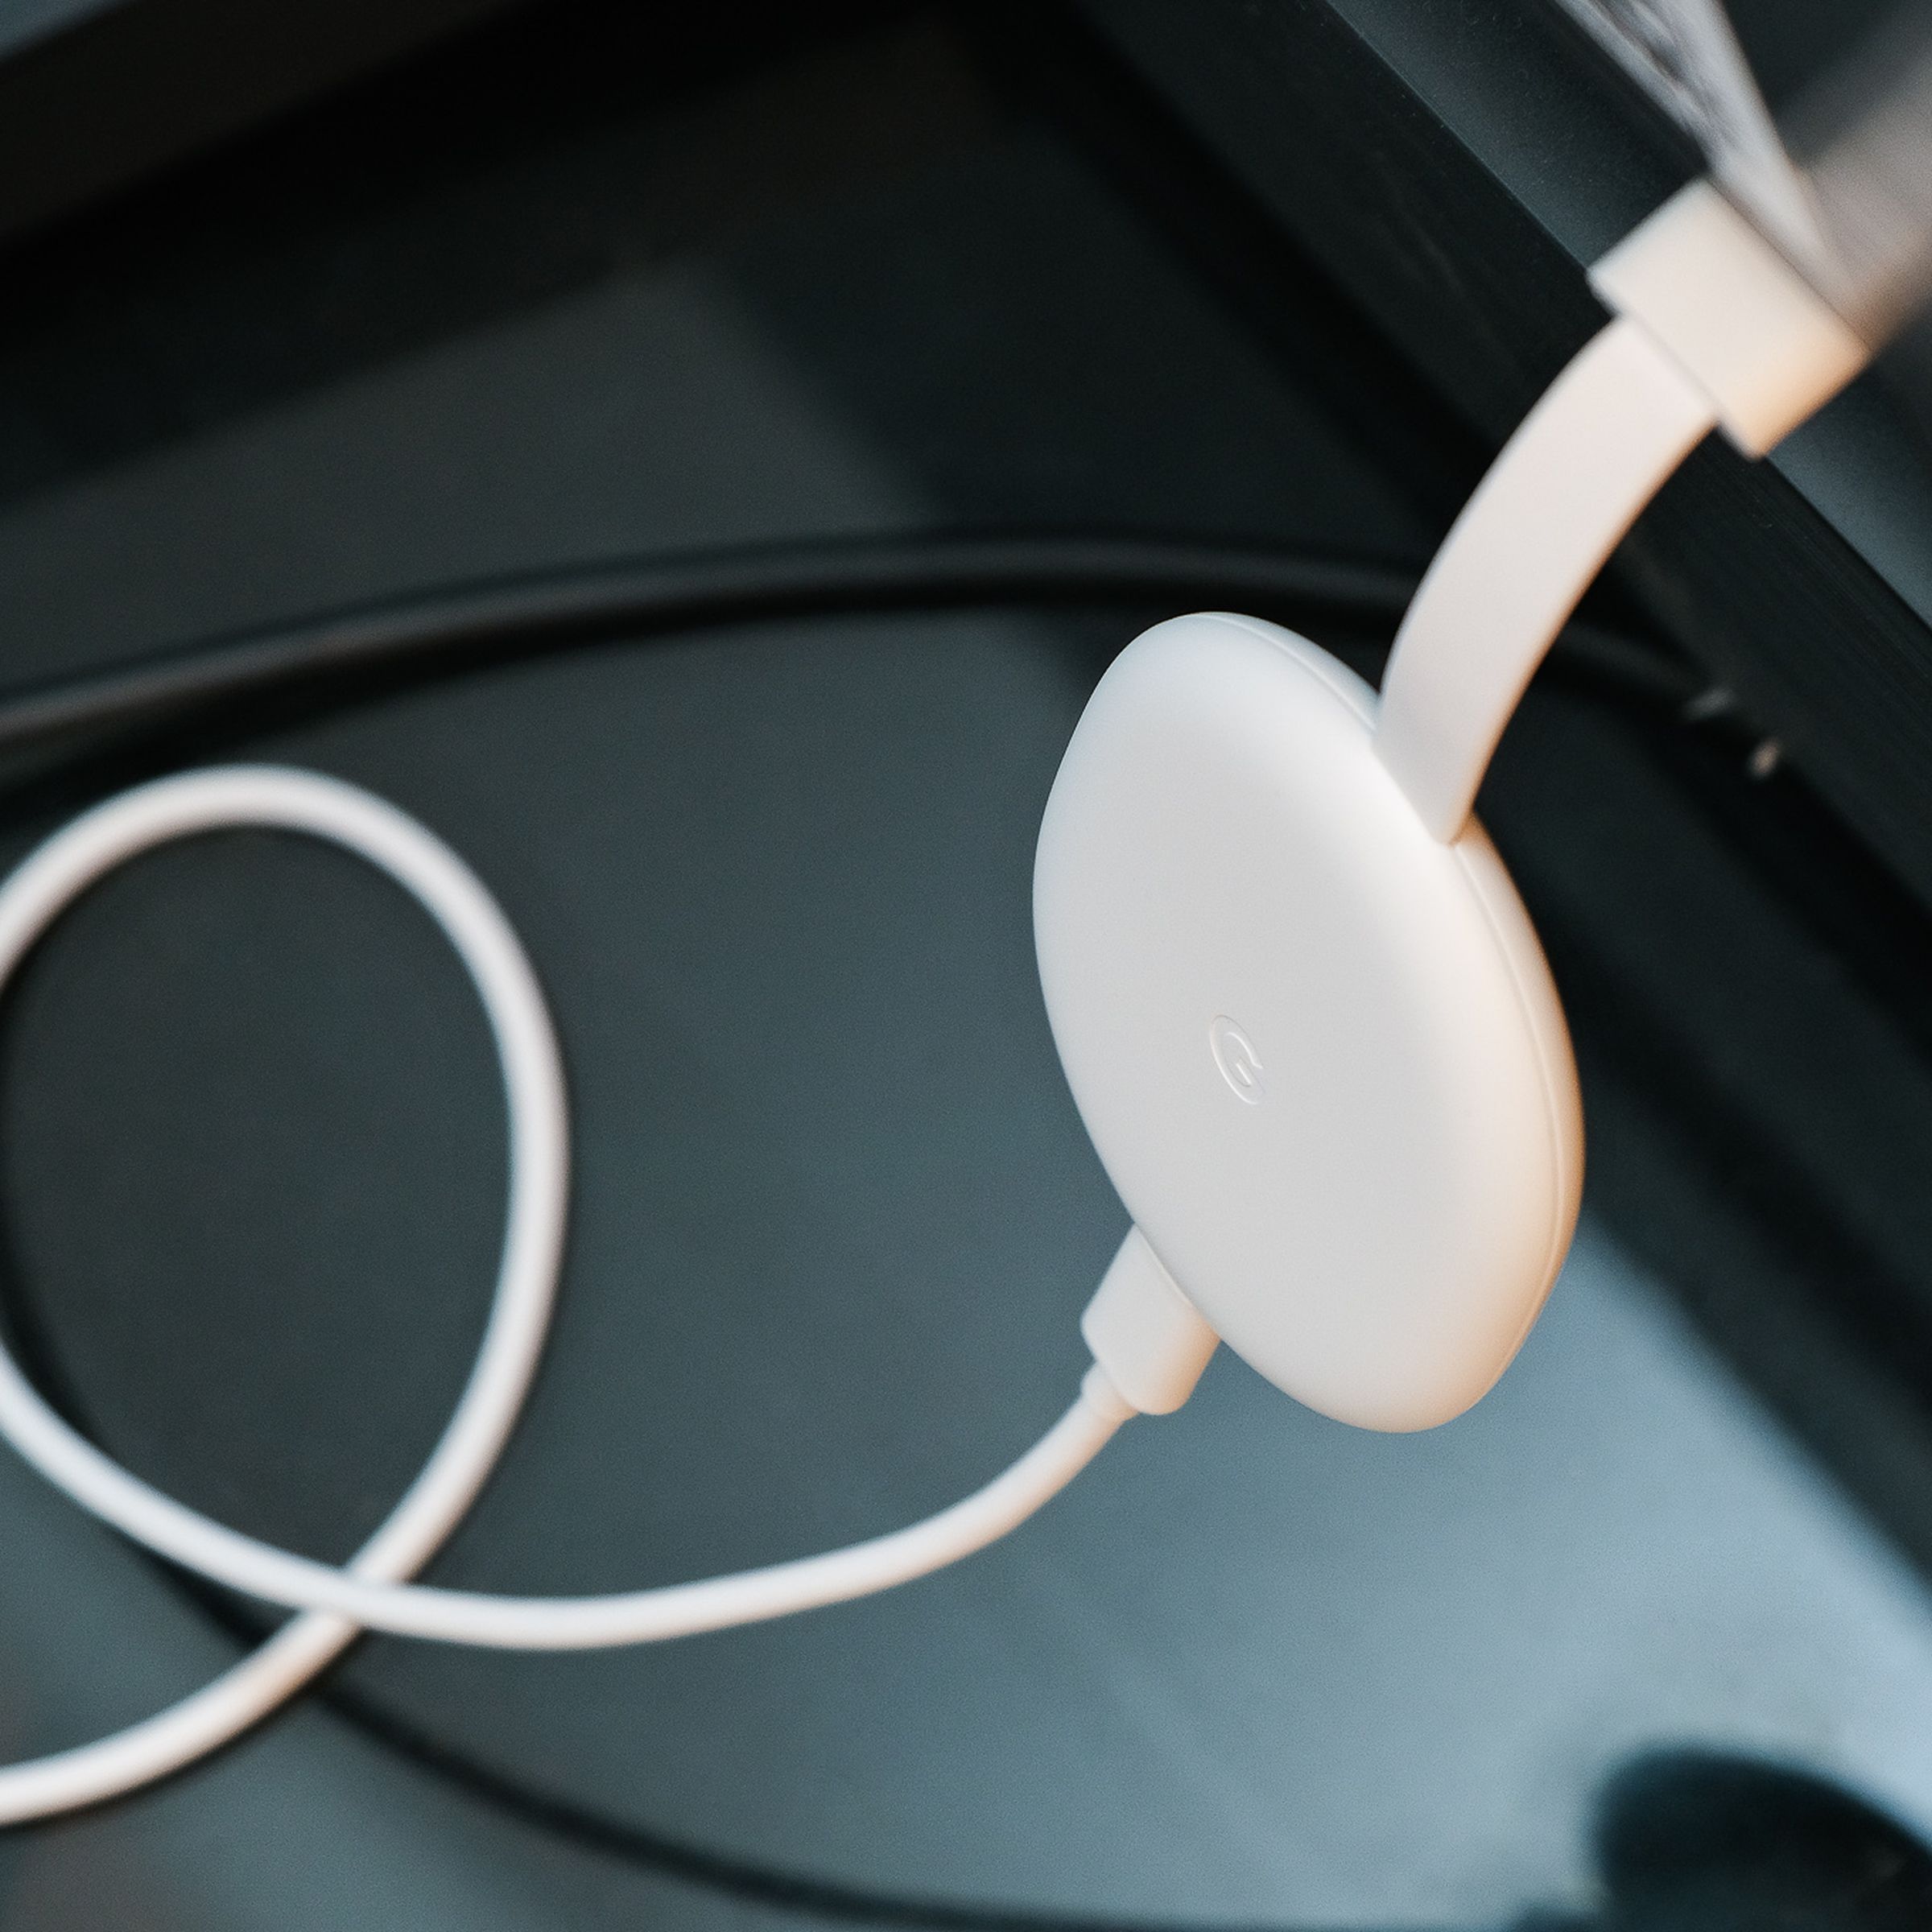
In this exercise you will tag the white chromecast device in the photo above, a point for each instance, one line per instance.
(1303, 1012)
(1317, 1050)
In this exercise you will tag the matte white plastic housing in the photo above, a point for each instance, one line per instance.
(1317, 1050)
(1742, 323)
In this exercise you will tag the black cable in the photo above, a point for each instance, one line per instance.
(379, 647)
(153, 708)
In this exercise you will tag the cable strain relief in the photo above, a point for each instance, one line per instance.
(1148, 1340)
(1098, 1393)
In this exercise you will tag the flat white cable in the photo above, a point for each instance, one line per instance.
(1714, 328)
(1138, 1324)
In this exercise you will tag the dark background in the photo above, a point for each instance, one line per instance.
(1641, 1642)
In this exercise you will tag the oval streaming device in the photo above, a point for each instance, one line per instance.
(1318, 1050)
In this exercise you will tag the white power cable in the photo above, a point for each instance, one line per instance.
(532, 1237)
(367, 1592)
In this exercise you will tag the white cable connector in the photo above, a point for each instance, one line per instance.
(1713, 327)
(1150, 1340)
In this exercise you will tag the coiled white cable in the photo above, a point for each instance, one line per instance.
(532, 1236)
(367, 1593)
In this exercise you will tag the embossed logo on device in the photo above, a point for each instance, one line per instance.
(1240, 1064)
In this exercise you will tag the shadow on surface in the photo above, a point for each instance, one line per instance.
(1686, 1840)
(1695, 1841)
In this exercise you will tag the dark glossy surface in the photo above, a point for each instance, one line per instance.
(1613, 1653)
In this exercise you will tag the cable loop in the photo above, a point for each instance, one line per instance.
(46, 882)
